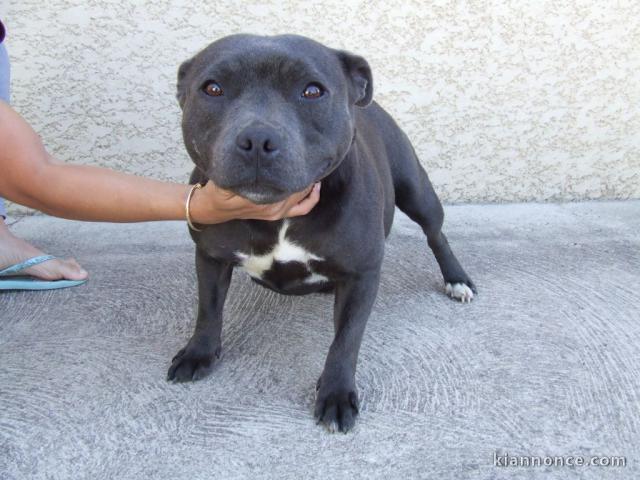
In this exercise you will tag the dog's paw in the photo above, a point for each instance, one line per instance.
(192, 363)
(460, 291)
(336, 408)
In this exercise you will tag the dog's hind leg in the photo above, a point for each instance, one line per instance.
(415, 197)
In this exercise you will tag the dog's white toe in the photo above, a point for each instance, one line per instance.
(459, 291)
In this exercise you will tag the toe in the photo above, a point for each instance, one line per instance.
(71, 270)
(180, 372)
(347, 418)
(330, 417)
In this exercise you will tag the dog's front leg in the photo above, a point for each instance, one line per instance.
(195, 360)
(337, 398)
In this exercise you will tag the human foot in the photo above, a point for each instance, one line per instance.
(14, 250)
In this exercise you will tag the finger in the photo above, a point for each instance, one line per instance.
(295, 198)
(307, 204)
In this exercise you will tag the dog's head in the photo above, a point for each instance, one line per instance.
(268, 116)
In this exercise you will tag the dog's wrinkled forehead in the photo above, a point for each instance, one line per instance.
(288, 58)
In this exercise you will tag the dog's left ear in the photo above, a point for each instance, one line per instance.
(181, 93)
(359, 73)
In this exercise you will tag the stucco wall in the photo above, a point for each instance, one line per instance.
(505, 101)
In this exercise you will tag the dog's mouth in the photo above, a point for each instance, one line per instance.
(259, 193)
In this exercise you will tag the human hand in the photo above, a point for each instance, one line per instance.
(212, 204)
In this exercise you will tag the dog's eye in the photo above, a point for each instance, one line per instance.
(313, 90)
(212, 89)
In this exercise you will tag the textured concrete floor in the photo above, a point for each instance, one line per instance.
(546, 361)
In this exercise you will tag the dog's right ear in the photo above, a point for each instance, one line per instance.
(181, 93)
(358, 72)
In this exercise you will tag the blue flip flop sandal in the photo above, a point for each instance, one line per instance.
(10, 281)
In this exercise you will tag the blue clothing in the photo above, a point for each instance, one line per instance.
(5, 71)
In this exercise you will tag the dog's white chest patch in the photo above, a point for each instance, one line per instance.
(283, 251)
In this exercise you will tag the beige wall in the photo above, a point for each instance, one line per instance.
(504, 101)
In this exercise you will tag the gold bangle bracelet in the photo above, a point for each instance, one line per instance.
(187, 207)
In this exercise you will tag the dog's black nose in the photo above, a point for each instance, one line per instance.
(260, 141)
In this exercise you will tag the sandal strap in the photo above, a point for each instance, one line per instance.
(26, 264)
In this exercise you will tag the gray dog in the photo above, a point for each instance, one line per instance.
(268, 116)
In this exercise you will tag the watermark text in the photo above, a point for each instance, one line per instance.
(507, 460)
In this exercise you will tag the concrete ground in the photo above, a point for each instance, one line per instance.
(546, 360)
